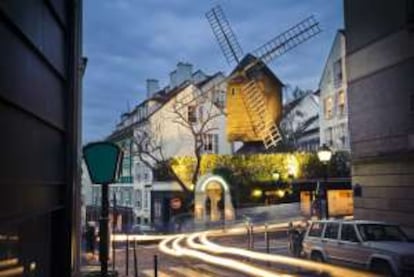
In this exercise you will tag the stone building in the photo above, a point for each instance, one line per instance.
(380, 67)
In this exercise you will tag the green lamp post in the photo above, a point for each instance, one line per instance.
(103, 160)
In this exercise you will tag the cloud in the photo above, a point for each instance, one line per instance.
(128, 41)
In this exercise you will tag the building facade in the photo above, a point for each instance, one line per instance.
(333, 114)
(380, 66)
(40, 108)
(159, 122)
(300, 123)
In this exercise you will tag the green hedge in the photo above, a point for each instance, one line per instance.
(260, 167)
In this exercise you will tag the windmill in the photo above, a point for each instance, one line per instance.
(254, 94)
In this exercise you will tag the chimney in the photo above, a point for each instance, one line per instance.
(184, 72)
(173, 79)
(152, 87)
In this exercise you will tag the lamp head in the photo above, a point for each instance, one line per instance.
(324, 154)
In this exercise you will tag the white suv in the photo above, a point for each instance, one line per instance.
(377, 246)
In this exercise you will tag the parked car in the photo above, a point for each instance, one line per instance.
(378, 246)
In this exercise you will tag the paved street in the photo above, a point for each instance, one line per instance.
(218, 253)
(174, 266)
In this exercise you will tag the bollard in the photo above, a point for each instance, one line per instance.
(252, 236)
(113, 252)
(135, 259)
(155, 266)
(248, 236)
(266, 237)
(127, 256)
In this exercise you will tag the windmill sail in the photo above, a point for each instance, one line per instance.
(289, 39)
(224, 35)
(263, 125)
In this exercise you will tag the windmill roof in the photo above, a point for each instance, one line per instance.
(250, 58)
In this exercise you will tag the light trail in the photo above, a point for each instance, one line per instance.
(229, 231)
(209, 246)
(165, 249)
(178, 250)
(195, 251)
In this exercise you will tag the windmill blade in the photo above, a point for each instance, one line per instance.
(288, 40)
(224, 35)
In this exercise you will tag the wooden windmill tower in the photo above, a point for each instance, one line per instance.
(254, 93)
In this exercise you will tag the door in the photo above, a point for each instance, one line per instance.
(330, 241)
(349, 246)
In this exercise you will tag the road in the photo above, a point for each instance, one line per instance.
(224, 253)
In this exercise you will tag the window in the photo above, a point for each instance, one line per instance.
(210, 143)
(328, 107)
(331, 231)
(147, 196)
(342, 133)
(341, 103)
(200, 114)
(220, 98)
(381, 232)
(316, 229)
(138, 199)
(191, 114)
(337, 73)
(328, 136)
(128, 197)
(348, 233)
(157, 208)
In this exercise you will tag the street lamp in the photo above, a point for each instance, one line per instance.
(103, 160)
(324, 156)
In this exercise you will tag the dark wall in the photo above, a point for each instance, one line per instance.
(39, 123)
(380, 66)
(367, 21)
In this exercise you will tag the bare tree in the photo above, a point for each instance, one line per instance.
(199, 125)
(196, 113)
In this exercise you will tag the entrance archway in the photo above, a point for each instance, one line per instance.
(213, 188)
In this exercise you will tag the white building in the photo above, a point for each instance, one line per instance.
(333, 115)
(192, 97)
(300, 123)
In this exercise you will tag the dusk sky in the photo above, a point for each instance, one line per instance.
(129, 41)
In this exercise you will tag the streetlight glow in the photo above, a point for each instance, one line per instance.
(324, 154)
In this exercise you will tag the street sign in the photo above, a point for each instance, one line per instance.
(175, 203)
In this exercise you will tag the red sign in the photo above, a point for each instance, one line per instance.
(175, 203)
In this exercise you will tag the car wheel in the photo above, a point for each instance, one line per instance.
(317, 257)
(382, 267)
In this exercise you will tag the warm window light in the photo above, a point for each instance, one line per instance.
(324, 154)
